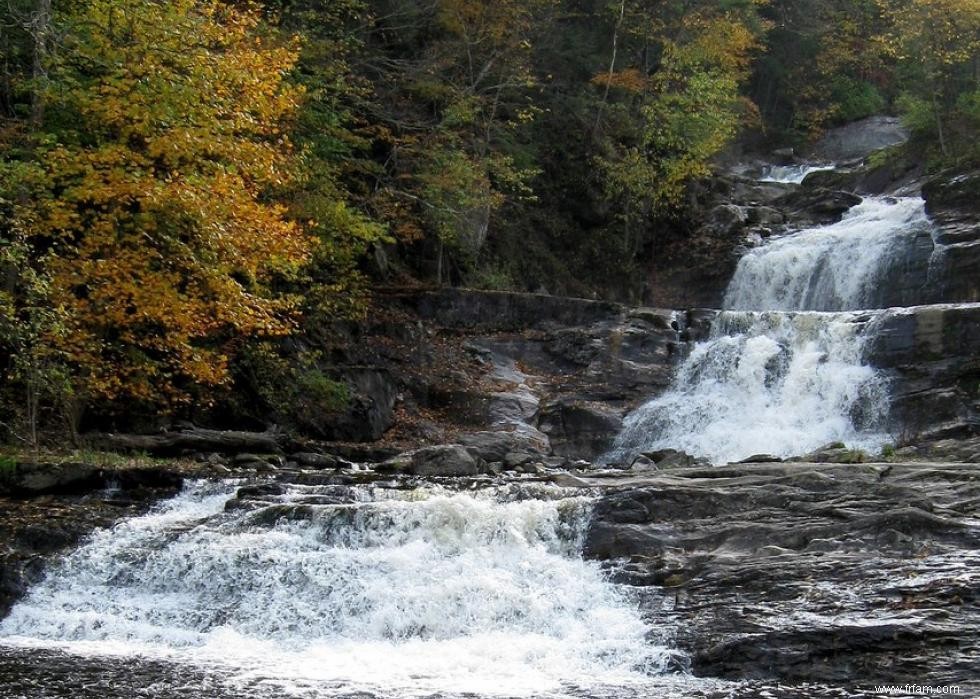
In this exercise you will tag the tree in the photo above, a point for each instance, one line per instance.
(164, 128)
(451, 79)
(675, 114)
(938, 44)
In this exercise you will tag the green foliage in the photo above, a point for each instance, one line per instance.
(292, 387)
(855, 99)
(511, 144)
(8, 465)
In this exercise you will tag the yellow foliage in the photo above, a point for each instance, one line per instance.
(161, 243)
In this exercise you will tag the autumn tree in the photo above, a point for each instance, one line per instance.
(164, 129)
(937, 44)
(451, 80)
(675, 103)
(331, 191)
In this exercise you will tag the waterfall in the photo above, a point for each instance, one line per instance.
(775, 375)
(791, 174)
(828, 268)
(339, 590)
(765, 383)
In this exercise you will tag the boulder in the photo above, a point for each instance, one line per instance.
(442, 460)
(761, 459)
(314, 460)
(495, 445)
(818, 206)
(835, 454)
(30, 479)
(859, 139)
(580, 430)
(726, 220)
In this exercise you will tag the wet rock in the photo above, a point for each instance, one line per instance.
(929, 355)
(760, 459)
(818, 206)
(314, 460)
(580, 430)
(835, 454)
(643, 462)
(953, 204)
(672, 458)
(848, 574)
(443, 460)
(56, 505)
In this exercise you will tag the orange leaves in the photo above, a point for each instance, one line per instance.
(163, 246)
(629, 80)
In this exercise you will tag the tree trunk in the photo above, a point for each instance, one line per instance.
(40, 28)
(612, 67)
(197, 439)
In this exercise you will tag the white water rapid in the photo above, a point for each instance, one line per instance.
(394, 593)
(776, 376)
(791, 174)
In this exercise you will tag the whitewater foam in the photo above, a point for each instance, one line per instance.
(828, 268)
(766, 383)
(397, 594)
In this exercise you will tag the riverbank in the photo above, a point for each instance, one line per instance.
(822, 578)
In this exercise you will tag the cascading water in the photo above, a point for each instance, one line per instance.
(329, 591)
(765, 383)
(772, 382)
(791, 174)
(829, 268)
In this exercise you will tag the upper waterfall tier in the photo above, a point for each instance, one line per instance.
(854, 264)
(791, 174)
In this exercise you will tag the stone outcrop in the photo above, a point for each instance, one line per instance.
(953, 203)
(852, 574)
(859, 139)
(47, 508)
(441, 460)
(930, 354)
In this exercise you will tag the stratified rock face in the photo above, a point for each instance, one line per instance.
(953, 203)
(502, 310)
(860, 139)
(858, 574)
(370, 411)
(930, 354)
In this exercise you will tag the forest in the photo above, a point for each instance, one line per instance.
(186, 184)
